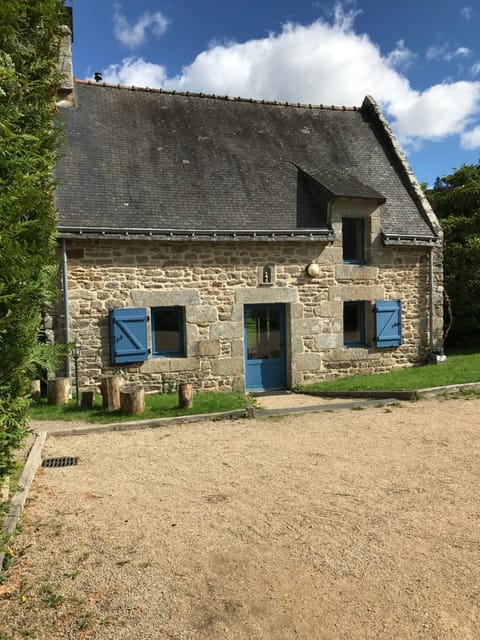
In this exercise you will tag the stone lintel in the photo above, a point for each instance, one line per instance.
(346, 292)
(357, 272)
(266, 295)
(166, 298)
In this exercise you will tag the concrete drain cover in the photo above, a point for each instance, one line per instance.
(59, 462)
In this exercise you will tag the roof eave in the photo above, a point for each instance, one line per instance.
(396, 239)
(379, 200)
(318, 235)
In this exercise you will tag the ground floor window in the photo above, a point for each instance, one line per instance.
(167, 331)
(354, 324)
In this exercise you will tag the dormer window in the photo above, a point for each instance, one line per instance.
(353, 235)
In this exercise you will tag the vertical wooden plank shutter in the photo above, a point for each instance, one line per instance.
(388, 320)
(128, 335)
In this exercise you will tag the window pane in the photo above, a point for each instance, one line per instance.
(353, 235)
(263, 334)
(353, 323)
(167, 330)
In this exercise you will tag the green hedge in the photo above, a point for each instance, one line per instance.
(29, 134)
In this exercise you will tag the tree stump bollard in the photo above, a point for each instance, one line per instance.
(132, 400)
(185, 395)
(110, 388)
(88, 398)
(58, 391)
(35, 390)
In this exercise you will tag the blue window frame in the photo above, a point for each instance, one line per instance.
(354, 324)
(168, 331)
(353, 240)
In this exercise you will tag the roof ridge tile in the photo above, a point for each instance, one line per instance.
(191, 94)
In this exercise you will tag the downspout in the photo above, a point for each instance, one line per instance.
(430, 277)
(66, 308)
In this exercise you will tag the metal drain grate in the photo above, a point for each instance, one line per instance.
(59, 462)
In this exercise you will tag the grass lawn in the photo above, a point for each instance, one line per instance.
(458, 369)
(156, 406)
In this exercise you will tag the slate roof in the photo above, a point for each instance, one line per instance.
(155, 160)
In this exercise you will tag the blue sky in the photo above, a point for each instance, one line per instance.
(420, 59)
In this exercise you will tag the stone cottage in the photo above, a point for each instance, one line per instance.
(240, 244)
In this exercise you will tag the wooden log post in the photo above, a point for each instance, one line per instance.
(185, 395)
(88, 398)
(35, 390)
(58, 391)
(132, 400)
(110, 388)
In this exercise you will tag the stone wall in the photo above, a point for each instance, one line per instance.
(214, 280)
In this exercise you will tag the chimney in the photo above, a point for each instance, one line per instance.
(66, 97)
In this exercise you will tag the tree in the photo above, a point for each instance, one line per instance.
(456, 201)
(29, 43)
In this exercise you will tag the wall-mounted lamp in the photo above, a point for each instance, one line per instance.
(313, 270)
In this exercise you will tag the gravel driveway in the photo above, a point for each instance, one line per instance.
(344, 525)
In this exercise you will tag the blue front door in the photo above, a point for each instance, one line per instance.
(265, 362)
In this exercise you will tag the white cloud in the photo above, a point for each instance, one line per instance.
(475, 69)
(466, 12)
(135, 35)
(320, 63)
(344, 18)
(401, 57)
(136, 72)
(471, 139)
(437, 112)
(444, 52)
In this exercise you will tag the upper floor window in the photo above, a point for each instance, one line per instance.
(167, 331)
(353, 234)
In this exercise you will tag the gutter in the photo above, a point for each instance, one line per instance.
(325, 235)
(430, 297)
(66, 307)
(390, 239)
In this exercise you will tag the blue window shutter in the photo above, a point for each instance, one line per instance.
(388, 317)
(128, 335)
